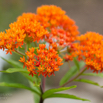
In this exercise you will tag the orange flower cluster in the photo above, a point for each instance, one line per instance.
(32, 28)
(25, 29)
(90, 49)
(62, 29)
(50, 15)
(11, 40)
(44, 62)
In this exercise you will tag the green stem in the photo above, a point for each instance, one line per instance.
(18, 52)
(28, 46)
(42, 86)
(62, 51)
(25, 47)
(82, 71)
(35, 43)
(41, 99)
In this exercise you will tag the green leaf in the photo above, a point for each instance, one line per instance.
(21, 48)
(79, 64)
(51, 91)
(61, 95)
(13, 63)
(18, 65)
(93, 74)
(36, 98)
(12, 70)
(16, 85)
(76, 63)
(23, 72)
(71, 72)
(36, 88)
(88, 81)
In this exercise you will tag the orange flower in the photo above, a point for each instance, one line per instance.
(45, 62)
(22, 60)
(90, 49)
(62, 29)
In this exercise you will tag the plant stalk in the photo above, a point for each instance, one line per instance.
(41, 99)
(82, 70)
(18, 52)
(42, 87)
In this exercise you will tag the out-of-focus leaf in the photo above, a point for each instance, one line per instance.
(18, 65)
(23, 72)
(81, 64)
(36, 88)
(76, 63)
(61, 95)
(16, 85)
(13, 63)
(12, 70)
(88, 81)
(93, 74)
(36, 98)
(51, 91)
(70, 73)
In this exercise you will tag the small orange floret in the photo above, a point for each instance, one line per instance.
(22, 59)
(40, 68)
(32, 49)
(42, 46)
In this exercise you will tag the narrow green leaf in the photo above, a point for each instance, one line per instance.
(36, 98)
(61, 95)
(94, 74)
(13, 63)
(51, 91)
(23, 72)
(76, 63)
(33, 82)
(71, 72)
(17, 66)
(29, 77)
(21, 48)
(81, 64)
(12, 70)
(36, 88)
(88, 81)
(16, 85)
